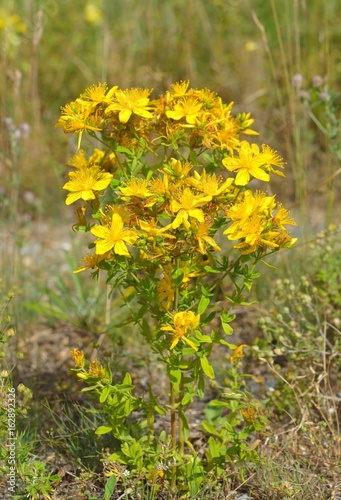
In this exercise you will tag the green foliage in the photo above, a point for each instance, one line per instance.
(36, 481)
(72, 300)
(301, 334)
(232, 423)
(28, 476)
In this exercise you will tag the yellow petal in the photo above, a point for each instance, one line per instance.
(121, 249)
(72, 197)
(124, 115)
(103, 246)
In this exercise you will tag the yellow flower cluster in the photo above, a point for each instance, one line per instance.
(88, 179)
(95, 370)
(184, 323)
(254, 223)
(173, 178)
(181, 111)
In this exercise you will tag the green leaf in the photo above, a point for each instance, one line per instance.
(214, 446)
(195, 475)
(193, 157)
(219, 404)
(105, 393)
(210, 269)
(188, 398)
(175, 376)
(201, 385)
(203, 338)
(91, 388)
(205, 321)
(226, 317)
(160, 410)
(236, 396)
(127, 379)
(203, 304)
(209, 428)
(185, 427)
(109, 487)
(207, 368)
(122, 149)
(227, 328)
(145, 328)
(103, 429)
(177, 276)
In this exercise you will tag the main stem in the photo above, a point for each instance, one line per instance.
(173, 416)
(181, 395)
(172, 397)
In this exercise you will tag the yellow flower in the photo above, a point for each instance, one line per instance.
(237, 353)
(253, 231)
(202, 237)
(210, 184)
(283, 217)
(250, 414)
(179, 89)
(272, 159)
(96, 157)
(96, 94)
(136, 187)
(250, 163)
(83, 182)
(96, 369)
(187, 206)
(131, 101)
(159, 186)
(114, 237)
(76, 117)
(78, 357)
(209, 99)
(245, 121)
(91, 262)
(78, 160)
(177, 169)
(223, 138)
(152, 229)
(248, 205)
(188, 108)
(184, 322)
(252, 222)
(188, 274)
(165, 291)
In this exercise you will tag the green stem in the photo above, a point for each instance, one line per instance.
(181, 439)
(173, 430)
(173, 416)
(172, 398)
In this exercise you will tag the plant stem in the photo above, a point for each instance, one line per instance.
(181, 439)
(172, 395)
(173, 430)
(173, 416)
